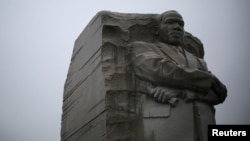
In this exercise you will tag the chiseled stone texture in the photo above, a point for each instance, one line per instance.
(99, 103)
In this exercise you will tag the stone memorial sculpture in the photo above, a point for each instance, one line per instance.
(139, 77)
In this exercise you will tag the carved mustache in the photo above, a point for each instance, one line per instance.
(176, 33)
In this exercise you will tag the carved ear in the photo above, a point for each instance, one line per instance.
(156, 31)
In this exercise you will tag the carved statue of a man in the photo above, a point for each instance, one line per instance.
(176, 81)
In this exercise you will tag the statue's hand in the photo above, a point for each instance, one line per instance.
(165, 95)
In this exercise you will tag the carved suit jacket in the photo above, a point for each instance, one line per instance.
(161, 65)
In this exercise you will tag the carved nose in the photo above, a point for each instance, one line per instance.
(178, 27)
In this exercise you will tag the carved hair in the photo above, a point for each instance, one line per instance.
(158, 18)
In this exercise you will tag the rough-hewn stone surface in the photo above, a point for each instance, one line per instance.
(99, 103)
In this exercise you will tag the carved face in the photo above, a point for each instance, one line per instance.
(171, 28)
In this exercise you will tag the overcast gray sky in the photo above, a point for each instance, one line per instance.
(36, 44)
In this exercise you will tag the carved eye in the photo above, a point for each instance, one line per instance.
(169, 22)
(181, 23)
